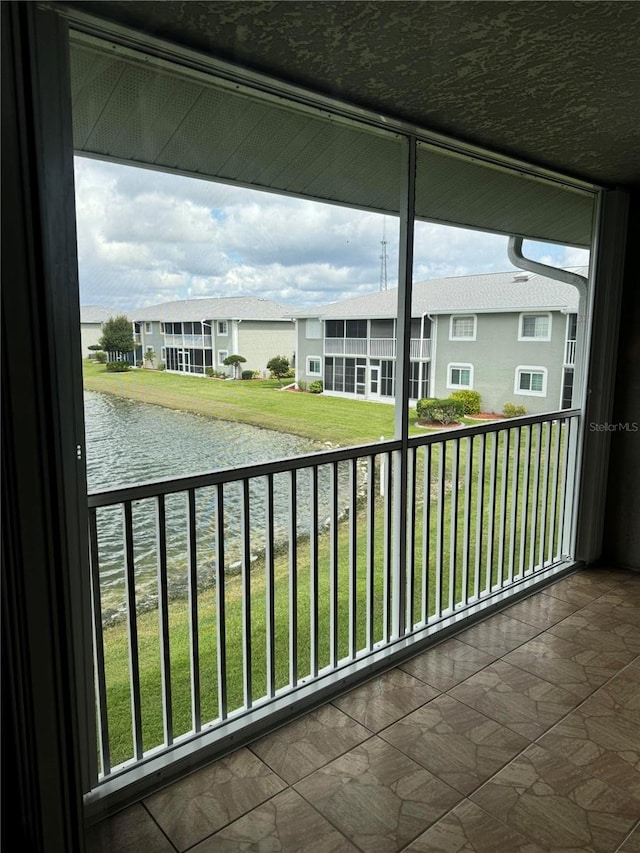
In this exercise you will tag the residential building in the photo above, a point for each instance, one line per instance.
(510, 336)
(92, 318)
(519, 118)
(191, 335)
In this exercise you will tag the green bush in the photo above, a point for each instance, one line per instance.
(161, 366)
(118, 366)
(139, 363)
(510, 410)
(247, 374)
(446, 411)
(470, 400)
(316, 386)
(100, 357)
(209, 371)
(302, 385)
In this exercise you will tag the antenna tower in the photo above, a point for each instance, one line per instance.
(383, 257)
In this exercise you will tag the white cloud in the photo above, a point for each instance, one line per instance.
(146, 237)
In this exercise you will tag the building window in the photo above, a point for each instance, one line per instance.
(463, 328)
(163, 354)
(162, 328)
(387, 378)
(223, 328)
(460, 376)
(531, 381)
(222, 354)
(147, 328)
(418, 386)
(312, 330)
(567, 388)
(535, 327)
(314, 366)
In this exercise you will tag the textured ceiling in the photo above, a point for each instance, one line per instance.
(557, 83)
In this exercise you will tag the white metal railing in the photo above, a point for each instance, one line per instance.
(232, 589)
(189, 341)
(570, 353)
(375, 347)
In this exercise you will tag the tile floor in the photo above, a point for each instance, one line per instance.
(522, 733)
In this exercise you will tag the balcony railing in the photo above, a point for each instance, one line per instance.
(188, 341)
(570, 353)
(220, 594)
(375, 347)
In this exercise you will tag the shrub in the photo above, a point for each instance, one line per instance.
(446, 411)
(302, 385)
(100, 357)
(118, 366)
(209, 371)
(139, 363)
(278, 366)
(510, 410)
(247, 374)
(470, 400)
(316, 386)
(161, 366)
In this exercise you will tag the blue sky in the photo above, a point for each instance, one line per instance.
(146, 237)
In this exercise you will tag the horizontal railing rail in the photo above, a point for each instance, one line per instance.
(220, 593)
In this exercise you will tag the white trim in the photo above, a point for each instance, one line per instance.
(220, 325)
(471, 337)
(529, 368)
(222, 354)
(163, 355)
(317, 358)
(536, 338)
(147, 327)
(454, 365)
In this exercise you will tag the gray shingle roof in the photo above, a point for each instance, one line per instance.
(222, 308)
(491, 292)
(95, 314)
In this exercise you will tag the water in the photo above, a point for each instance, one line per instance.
(130, 442)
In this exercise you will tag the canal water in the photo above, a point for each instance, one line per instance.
(130, 442)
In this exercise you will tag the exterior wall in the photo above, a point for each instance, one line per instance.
(154, 339)
(260, 340)
(90, 334)
(495, 354)
(307, 347)
(224, 342)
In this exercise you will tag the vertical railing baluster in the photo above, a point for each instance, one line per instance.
(221, 620)
(104, 744)
(245, 521)
(442, 464)
(566, 479)
(353, 556)
(270, 593)
(426, 533)
(545, 487)
(313, 571)
(466, 533)
(504, 496)
(554, 489)
(525, 503)
(453, 532)
(411, 544)
(163, 619)
(194, 636)
(388, 545)
(534, 507)
(479, 515)
(132, 631)
(371, 550)
(333, 568)
(493, 482)
(293, 578)
(515, 498)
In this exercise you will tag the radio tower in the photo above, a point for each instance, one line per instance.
(383, 257)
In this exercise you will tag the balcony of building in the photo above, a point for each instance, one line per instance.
(420, 348)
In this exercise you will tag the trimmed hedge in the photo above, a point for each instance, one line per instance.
(470, 400)
(247, 374)
(316, 386)
(510, 410)
(446, 411)
(118, 366)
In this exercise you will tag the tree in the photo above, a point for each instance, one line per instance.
(278, 366)
(233, 361)
(117, 335)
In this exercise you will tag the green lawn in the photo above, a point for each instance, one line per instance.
(258, 402)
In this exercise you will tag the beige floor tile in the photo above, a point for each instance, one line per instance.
(447, 664)
(194, 807)
(622, 693)
(306, 744)
(632, 843)
(599, 631)
(286, 823)
(469, 829)
(498, 634)
(541, 611)
(578, 669)
(377, 796)
(557, 804)
(130, 831)
(386, 699)
(622, 603)
(518, 699)
(458, 744)
(582, 588)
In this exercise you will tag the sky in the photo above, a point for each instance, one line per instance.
(146, 237)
